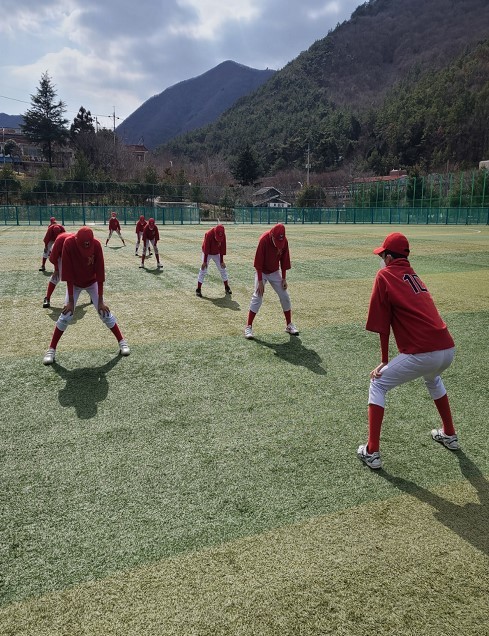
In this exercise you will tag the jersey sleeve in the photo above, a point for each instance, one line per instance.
(99, 262)
(285, 259)
(379, 311)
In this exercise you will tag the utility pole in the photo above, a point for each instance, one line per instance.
(308, 165)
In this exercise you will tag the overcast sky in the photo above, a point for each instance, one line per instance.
(112, 55)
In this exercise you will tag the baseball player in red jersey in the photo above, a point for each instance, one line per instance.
(151, 236)
(272, 260)
(140, 225)
(52, 232)
(82, 267)
(55, 259)
(214, 248)
(400, 301)
(114, 226)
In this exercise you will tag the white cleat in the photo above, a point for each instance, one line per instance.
(291, 328)
(248, 333)
(49, 356)
(449, 441)
(124, 348)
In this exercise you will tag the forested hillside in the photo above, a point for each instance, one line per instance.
(402, 83)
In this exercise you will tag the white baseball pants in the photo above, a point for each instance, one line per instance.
(406, 367)
(47, 249)
(275, 280)
(146, 247)
(139, 238)
(217, 260)
(64, 320)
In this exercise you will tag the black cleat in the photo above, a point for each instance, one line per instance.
(198, 292)
(46, 303)
(228, 290)
(42, 269)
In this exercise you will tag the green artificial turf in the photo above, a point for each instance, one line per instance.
(204, 448)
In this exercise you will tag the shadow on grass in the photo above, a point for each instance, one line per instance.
(295, 352)
(85, 388)
(155, 271)
(80, 311)
(470, 521)
(115, 247)
(225, 302)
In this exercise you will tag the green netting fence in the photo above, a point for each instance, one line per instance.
(88, 215)
(409, 216)
(189, 215)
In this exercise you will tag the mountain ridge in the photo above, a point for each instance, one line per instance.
(191, 103)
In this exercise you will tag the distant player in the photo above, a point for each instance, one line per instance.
(151, 236)
(140, 225)
(213, 248)
(272, 260)
(114, 226)
(55, 259)
(82, 267)
(400, 301)
(52, 232)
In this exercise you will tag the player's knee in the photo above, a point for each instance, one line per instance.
(63, 321)
(109, 320)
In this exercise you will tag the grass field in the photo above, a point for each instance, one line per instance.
(209, 485)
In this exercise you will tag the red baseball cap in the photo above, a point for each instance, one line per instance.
(114, 213)
(151, 222)
(85, 241)
(52, 219)
(219, 232)
(395, 242)
(141, 218)
(278, 233)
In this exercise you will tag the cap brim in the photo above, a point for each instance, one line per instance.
(379, 250)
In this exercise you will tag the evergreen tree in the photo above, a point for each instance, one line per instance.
(246, 170)
(83, 123)
(44, 122)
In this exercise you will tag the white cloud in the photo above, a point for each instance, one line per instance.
(106, 53)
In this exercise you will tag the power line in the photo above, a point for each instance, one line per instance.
(15, 100)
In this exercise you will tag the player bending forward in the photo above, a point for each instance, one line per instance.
(401, 301)
(114, 226)
(151, 236)
(55, 259)
(214, 248)
(82, 267)
(272, 255)
(140, 225)
(52, 232)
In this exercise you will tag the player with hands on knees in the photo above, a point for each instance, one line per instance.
(52, 232)
(140, 225)
(151, 236)
(272, 260)
(214, 249)
(82, 267)
(401, 302)
(55, 259)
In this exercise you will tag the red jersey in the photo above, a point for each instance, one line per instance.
(151, 234)
(58, 248)
(52, 232)
(400, 300)
(114, 225)
(268, 258)
(80, 269)
(140, 225)
(211, 245)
